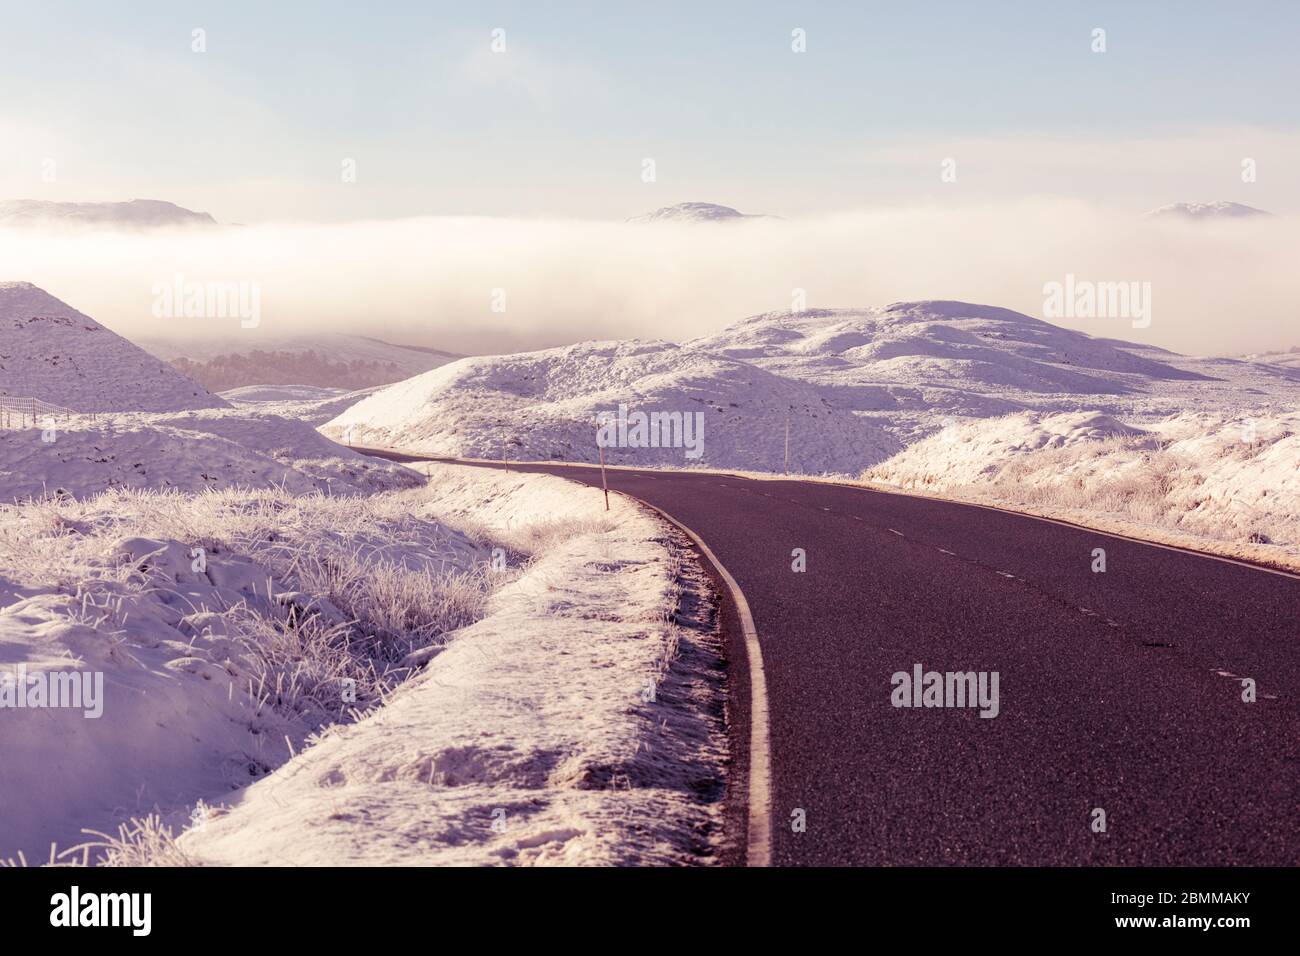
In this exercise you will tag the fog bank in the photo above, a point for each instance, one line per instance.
(493, 285)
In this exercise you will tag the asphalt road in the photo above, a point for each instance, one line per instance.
(1118, 691)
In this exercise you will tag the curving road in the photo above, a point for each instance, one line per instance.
(1118, 691)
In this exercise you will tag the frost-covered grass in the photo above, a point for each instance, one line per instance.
(202, 450)
(500, 630)
(1229, 483)
(227, 623)
(393, 576)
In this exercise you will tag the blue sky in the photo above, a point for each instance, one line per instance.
(257, 127)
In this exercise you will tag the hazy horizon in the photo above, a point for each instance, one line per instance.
(482, 285)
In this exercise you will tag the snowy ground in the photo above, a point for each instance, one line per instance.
(1230, 484)
(305, 403)
(187, 451)
(498, 633)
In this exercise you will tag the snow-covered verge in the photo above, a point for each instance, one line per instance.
(1223, 483)
(483, 641)
(574, 723)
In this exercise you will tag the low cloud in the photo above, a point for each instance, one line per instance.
(491, 285)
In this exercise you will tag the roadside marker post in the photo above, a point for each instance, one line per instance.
(787, 444)
(603, 485)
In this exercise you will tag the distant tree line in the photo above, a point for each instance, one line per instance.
(287, 368)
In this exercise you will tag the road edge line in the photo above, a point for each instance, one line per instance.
(758, 836)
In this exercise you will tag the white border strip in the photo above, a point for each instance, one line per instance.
(758, 843)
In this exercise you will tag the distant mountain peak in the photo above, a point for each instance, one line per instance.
(697, 212)
(132, 214)
(1220, 209)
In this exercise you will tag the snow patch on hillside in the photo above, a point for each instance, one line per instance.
(282, 393)
(309, 404)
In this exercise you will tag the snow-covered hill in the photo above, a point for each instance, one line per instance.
(697, 212)
(1205, 211)
(1224, 482)
(52, 352)
(908, 364)
(134, 214)
(859, 384)
(544, 405)
(1288, 359)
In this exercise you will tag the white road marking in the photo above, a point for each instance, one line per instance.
(946, 551)
(899, 533)
(758, 843)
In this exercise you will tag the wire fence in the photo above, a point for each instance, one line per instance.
(20, 412)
